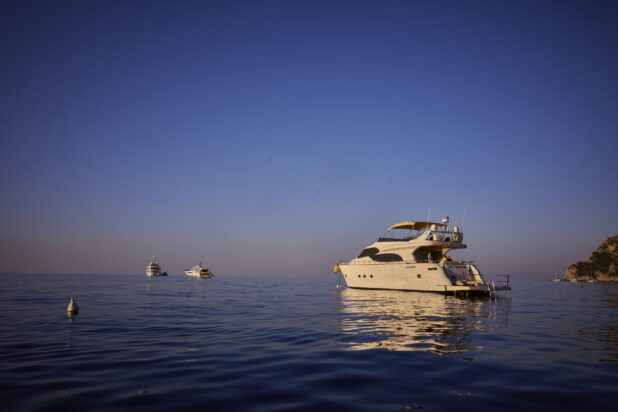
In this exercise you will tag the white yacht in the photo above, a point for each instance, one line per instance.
(153, 269)
(417, 261)
(199, 271)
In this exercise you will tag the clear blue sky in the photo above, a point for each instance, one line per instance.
(275, 138)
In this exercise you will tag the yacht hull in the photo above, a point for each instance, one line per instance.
(412, 276)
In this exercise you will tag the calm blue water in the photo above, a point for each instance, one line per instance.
(231, 343)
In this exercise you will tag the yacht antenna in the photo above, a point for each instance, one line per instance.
(428, 212)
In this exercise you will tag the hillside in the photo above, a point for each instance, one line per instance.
(602, 265)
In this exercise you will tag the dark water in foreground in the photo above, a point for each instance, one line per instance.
(281, 344)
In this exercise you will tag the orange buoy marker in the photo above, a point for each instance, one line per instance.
(581, 285)
(72, 309)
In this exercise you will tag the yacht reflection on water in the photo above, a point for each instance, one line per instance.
(416, 321)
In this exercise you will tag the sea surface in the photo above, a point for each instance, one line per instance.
(267, 344)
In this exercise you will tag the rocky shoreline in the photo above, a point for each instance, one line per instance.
(601, 266)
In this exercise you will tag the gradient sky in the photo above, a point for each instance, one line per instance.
(276, 138)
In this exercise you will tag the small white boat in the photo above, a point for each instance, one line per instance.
(418, 261)
(153, 269)
(199, 271)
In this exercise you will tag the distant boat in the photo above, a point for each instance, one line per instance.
(556, 278)
(199, 271)
(153, 269)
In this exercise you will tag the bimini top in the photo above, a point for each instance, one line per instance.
(416, 225)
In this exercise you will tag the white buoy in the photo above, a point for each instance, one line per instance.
(72, 309)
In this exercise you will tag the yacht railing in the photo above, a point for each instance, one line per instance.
(459, 262)
(442, 236)
(407, 262)
(435, 235)
(506, 281)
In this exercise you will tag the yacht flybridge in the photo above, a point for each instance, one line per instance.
(417, 261)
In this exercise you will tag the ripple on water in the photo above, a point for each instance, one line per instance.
(257, 344)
